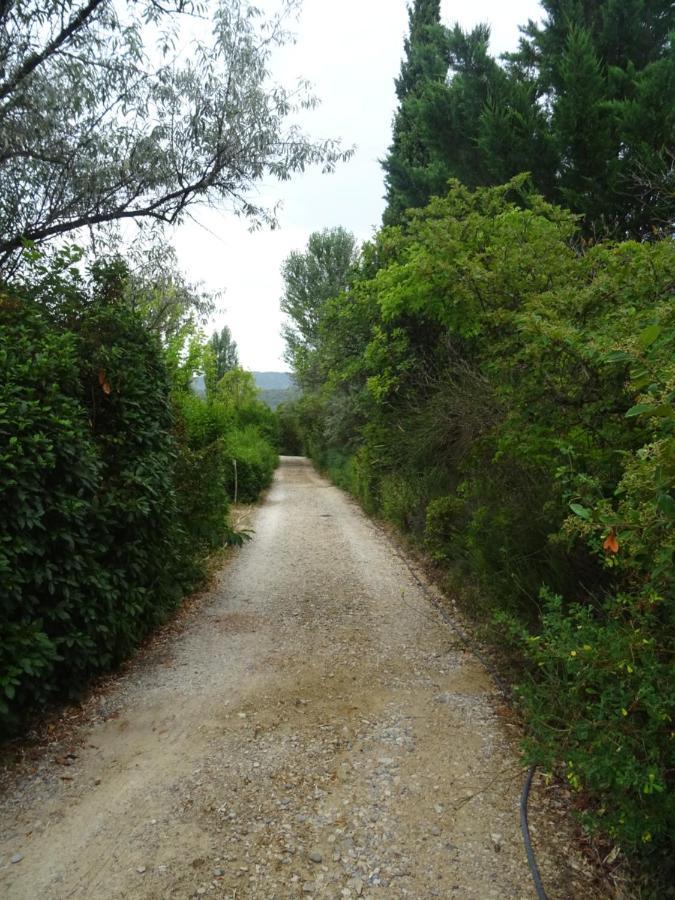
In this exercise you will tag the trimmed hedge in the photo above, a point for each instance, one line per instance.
(89, 524)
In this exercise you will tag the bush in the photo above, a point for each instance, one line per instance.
(87, 537)
(115, 479)
(201, 476)
(255, 460)
(289, 430)
(600, 700)
(502, 388)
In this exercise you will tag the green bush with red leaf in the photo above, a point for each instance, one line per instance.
(507, 391)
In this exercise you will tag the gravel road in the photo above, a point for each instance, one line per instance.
(315, 730)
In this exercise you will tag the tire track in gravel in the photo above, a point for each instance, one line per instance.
(316, 731)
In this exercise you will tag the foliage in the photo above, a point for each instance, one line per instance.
(255, 460)
(87, 555)
(229, 431)
(585, 106)
(225, 355)
(599, 698)
(110, 112)
(609, 69)
(409, 176)
(289, 426)
(310, 279)
(157, 290)
(115, 479)
(505, 393)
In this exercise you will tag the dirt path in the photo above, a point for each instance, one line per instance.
(315, 731)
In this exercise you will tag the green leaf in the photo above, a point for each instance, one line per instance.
(642, 382)
(663, 411)
(648, 336)
(666, 505)
(639, 410)
(581, 511)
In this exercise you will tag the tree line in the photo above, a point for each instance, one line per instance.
(493, 373)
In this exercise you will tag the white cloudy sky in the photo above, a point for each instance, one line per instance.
(351, 52)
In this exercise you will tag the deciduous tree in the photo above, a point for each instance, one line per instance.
(311, 279)
(115, 111)
(225, 353)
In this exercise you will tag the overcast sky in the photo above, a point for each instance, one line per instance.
(351, 52)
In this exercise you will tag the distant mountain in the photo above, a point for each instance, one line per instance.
(274, 381)
(274, 387)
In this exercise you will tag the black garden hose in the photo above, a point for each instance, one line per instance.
(503, 687)
(524, 827)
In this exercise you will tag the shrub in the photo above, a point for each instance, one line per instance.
(200, 476)
(255, 459)
(89, 524)
(509, 391)
(600, 700)
(289, 429)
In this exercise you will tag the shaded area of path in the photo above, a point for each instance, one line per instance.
(315, 731)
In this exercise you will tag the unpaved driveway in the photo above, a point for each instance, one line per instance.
(315, 731)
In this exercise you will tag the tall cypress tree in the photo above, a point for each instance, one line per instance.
(586, 105)
(408, 179)
(483, 125)
(607, 69)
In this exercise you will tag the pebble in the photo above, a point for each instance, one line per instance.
(496, 841)
(316, 856)
(141, 870)
(16, 858)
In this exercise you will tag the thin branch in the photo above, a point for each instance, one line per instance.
(32, 62)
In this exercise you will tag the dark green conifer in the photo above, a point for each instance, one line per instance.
(408, 177)
(586, 105)
(606, 69)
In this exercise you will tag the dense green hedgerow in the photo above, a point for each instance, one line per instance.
(87, 534)
(115, 479)
(505, 393)
(255, 459)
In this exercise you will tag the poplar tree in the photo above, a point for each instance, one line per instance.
(226, 355)
(312, 278)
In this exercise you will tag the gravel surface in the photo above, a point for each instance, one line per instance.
(316, 730)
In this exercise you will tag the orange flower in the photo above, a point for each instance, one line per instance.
(103, 381)
(611, 544)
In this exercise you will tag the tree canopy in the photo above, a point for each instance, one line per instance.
(135, 111)
(408, 165)
(585, 105)
(311, 278)
(225, 357)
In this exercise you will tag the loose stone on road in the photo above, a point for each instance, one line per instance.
(316, 730)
